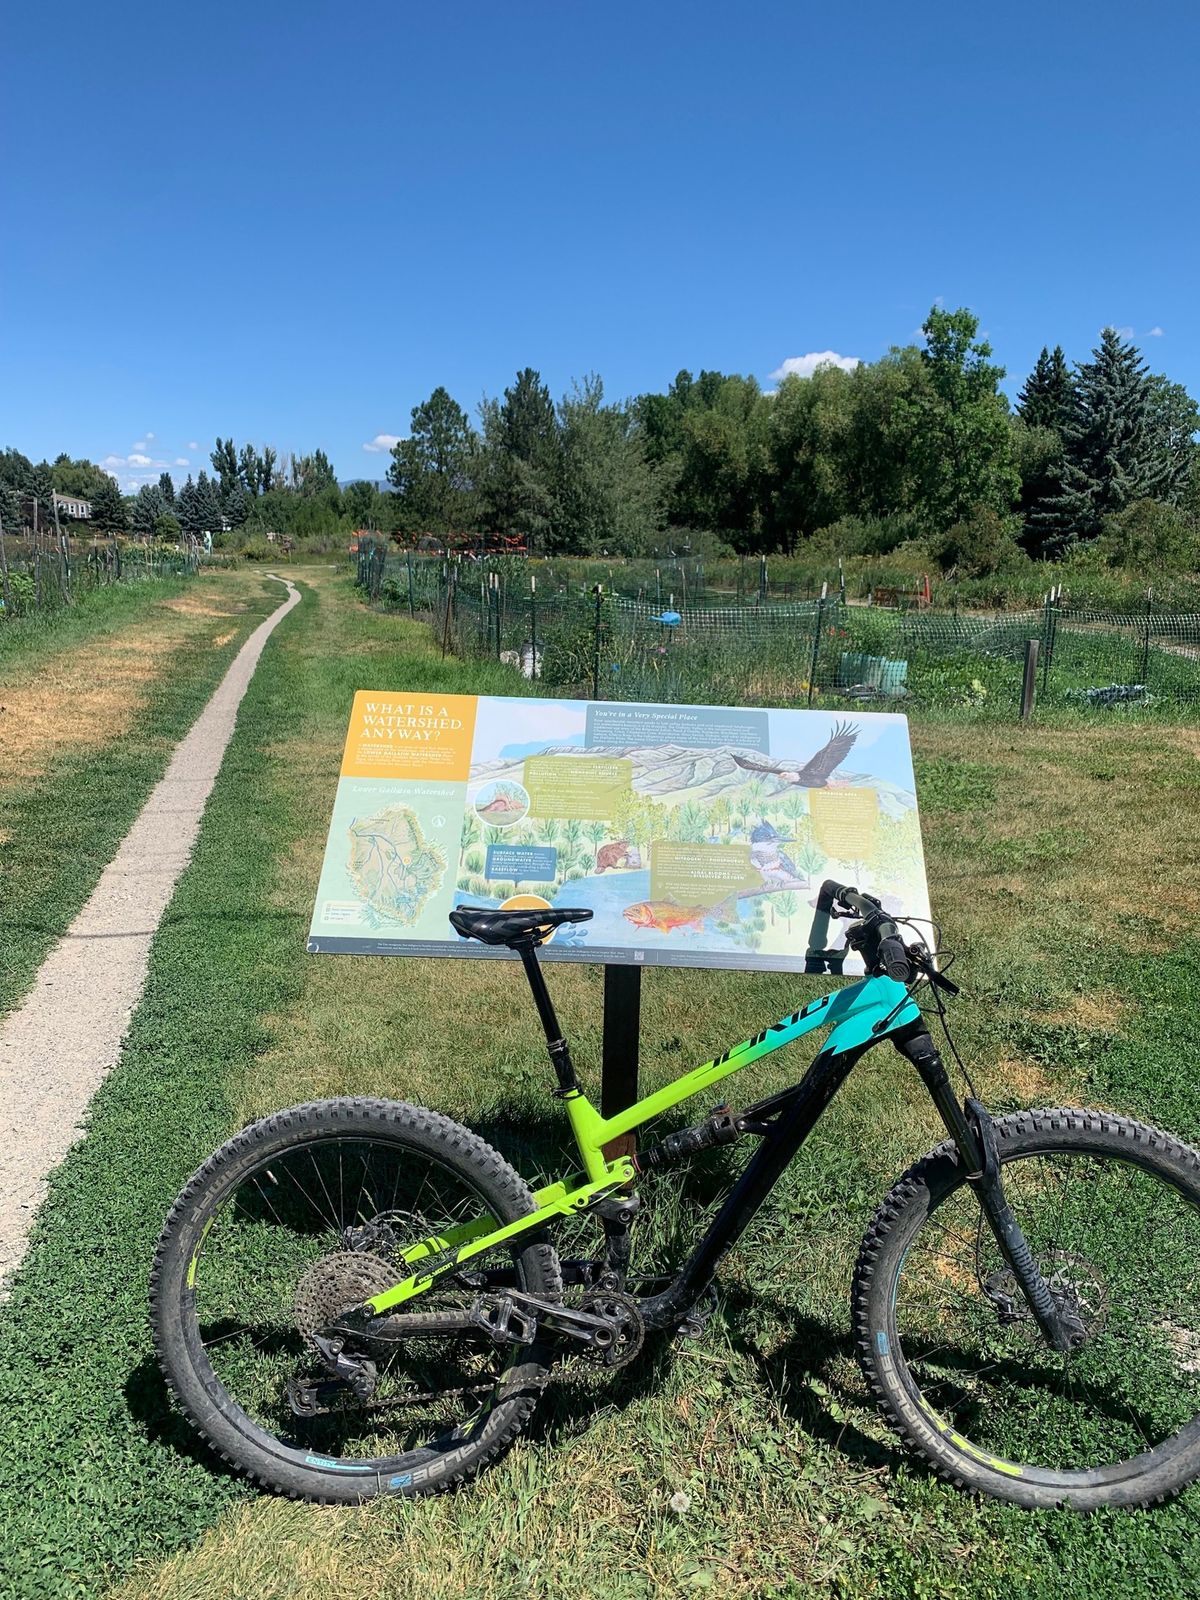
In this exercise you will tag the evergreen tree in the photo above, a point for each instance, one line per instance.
(187, 509)
(108, 508)
(208, 505)
(519, 472)
(434, 469)
(42, 488)
(10, 507)
(148, 506)
(167, 488)
(237, 506)
(1110, 446)
(1047, 394)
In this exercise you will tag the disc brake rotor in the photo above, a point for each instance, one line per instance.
(1075, 1284)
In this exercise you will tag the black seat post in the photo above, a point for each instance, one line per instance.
(560, 1053)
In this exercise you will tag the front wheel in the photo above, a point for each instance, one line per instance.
(296, 1220)
(1111, 1210)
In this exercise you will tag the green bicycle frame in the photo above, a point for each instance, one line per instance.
(859, 1016)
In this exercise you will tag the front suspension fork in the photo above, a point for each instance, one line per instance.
(971, 1129)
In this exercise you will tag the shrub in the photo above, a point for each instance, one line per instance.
(979, 545)
(1149, 535)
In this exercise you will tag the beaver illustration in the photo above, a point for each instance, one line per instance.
(620, 853)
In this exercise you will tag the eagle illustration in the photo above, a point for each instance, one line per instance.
(815, 773)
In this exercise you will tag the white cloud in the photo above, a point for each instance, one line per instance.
(150, 436)
(1155, 332)
(382, 441)
(1125, 332)
(805, 366)
(140, 445)
(110, 462)
(136, 459)
(182, 461)
(192, 445)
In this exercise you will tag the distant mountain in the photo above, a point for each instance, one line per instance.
(381, 484)
(698, 775)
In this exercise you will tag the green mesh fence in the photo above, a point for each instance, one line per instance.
(44, 574)
(801, 652)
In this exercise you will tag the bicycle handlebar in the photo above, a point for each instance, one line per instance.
(884, 950)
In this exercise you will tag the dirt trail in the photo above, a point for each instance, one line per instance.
(57, 1048)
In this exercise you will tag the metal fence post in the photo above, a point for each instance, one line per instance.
(596, 646)
(412, 611)
(816, 648)
(533, 659)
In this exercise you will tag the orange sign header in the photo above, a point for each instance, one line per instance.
(410, 736)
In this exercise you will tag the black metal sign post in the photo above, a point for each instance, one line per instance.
(619, 1060)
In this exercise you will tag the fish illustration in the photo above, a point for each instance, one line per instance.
(665, 916)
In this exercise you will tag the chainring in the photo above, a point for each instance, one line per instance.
(621, 1310)
(336, 1283)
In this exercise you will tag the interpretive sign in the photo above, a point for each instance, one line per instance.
(698, 835)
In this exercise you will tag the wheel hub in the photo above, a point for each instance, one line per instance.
(1076, 1286)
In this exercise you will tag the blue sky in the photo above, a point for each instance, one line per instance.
(292, 222)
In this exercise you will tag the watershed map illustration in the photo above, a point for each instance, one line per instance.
(696, 835)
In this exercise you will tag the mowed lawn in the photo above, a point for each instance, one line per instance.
(1065, 864)
(92, 702)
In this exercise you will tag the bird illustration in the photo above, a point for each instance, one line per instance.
(777, 869)
(815, 773)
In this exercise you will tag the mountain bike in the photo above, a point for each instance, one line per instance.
(359, 1297)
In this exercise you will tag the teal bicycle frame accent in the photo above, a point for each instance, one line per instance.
(858, 1016)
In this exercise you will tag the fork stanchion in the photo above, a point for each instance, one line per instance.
(619, 1059)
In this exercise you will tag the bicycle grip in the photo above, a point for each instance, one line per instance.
(893, 958)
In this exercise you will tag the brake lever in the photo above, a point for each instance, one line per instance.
(936, 978)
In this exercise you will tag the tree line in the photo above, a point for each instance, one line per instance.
(921, 445)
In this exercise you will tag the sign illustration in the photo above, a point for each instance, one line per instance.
(697, 835)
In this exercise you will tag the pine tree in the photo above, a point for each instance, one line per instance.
(1047, 395)
(1109, 442)
(108, 508)
(237, 506)
(208, 505)
(167, 488)
(187, 510)
(148, 505)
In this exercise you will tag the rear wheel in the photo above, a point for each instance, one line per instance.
(294, 1221)
(1111, 1211)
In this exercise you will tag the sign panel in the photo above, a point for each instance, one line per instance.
(698, 835)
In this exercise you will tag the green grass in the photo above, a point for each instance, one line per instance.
(61, 824)
(796, 1487)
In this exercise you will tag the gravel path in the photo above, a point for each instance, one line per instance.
(57, 1048)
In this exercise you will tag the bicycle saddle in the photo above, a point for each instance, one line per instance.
(511, 927)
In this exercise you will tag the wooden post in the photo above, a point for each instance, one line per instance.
(1146, 635)
(622, 1034)
(1029, 683)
